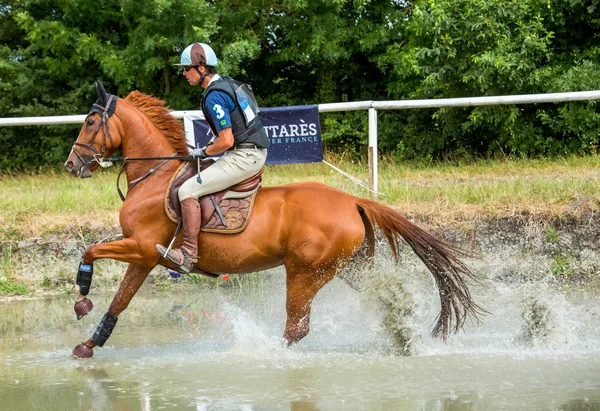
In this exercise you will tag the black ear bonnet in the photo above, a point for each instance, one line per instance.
(100, 104)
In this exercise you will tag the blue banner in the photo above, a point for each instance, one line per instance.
(294, 132)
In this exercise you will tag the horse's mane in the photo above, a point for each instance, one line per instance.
(160, 116)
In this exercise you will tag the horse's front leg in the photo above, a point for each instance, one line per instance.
(126, 250)
(133, 280)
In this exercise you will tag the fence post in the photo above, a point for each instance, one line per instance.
(372, 150)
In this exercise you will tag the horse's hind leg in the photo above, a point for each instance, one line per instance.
(302, 286)
(315, 255)
(133, 280)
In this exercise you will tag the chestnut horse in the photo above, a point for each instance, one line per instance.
(311, 229)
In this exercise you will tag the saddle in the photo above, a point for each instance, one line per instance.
(227, 211)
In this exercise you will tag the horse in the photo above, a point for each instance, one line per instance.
(313, 230)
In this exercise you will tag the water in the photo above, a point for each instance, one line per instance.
(220, 349)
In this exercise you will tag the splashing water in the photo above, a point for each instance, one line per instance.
(221, 348)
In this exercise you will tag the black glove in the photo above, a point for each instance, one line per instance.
(199, 153)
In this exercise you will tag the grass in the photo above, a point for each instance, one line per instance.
(49, 201)
(456, 191)
(8, 285)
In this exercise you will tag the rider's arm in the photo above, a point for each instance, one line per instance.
(219, 106)
(223, 142)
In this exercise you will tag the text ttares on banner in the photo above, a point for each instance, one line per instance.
(294, 133)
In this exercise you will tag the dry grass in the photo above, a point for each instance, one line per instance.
(443, 193)
(454, 192)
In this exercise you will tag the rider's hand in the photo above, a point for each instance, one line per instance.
(199, 153)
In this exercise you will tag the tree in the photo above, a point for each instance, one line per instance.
(294, 52)
(54, 50)
(459, 48)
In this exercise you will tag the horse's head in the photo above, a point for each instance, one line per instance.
(96, 139)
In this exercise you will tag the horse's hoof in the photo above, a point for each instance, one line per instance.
(82, 351)
(83, 307)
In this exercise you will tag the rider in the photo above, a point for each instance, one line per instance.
(232, 113)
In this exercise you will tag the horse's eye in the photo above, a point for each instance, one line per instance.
(90, 121)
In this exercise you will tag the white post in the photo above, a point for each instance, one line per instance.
(372, 153)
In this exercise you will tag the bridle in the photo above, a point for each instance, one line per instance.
(98, 156)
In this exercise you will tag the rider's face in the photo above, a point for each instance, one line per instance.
(192, 75)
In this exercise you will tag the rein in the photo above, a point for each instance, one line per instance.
(147, 174)
(137, 180)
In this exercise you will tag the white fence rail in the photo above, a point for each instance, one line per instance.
(371, 106)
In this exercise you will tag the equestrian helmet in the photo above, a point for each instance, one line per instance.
(198, 54)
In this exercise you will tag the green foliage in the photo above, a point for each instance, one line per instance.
(53, 52)
(7, 286)
(560, 266)
(46, 281)
(346, 132)
(295, 52)
(461, 48)
(551, 235)
(314, 51)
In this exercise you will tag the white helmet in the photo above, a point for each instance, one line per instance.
(198, 54)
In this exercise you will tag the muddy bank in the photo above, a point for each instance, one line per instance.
(562, 249)
(525, 247)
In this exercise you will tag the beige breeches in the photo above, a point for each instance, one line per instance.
(234, 166)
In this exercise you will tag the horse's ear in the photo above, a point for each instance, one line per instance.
(102, 95)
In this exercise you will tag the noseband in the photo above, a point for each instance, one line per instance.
(98, 155)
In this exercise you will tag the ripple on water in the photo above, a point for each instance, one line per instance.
(222, 350)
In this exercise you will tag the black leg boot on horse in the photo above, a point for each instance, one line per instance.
(186, 256)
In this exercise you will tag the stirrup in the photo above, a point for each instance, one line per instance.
(179, 256)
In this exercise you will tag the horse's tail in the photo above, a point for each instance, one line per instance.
(441, 258)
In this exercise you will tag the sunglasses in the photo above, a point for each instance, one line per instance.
(187, 68)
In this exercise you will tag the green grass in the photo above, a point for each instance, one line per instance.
(7, 268)
(8, 286)
(450, 190)
(53, 192)
(50, 201)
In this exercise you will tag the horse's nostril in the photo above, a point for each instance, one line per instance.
(69, 165)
